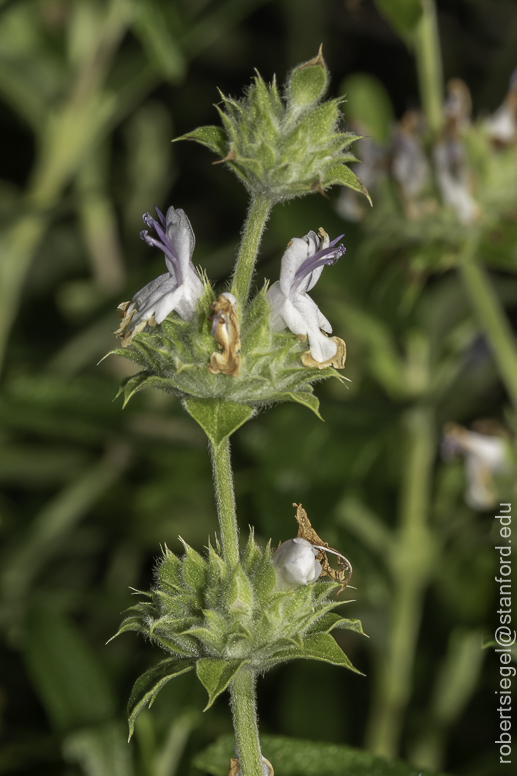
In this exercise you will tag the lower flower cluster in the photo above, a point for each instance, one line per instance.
(219, 619)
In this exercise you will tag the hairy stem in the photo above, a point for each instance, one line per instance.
(225, 500)
(491, 316)
(429, 65)
(242, 693)
(411, 564)
(258, 214)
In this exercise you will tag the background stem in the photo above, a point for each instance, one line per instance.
(225, 500)
(411, 565)
(491, 316)
(258, 214)
(244, 709)
(429, 65)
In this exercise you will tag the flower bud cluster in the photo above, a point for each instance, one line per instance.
(284, 147)
(220, 619)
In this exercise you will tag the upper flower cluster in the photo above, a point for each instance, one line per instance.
(282, 148)
(464, 175)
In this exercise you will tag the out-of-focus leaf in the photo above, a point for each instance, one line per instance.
(71, 683)
(368, 103)
(155, 26)
(56, 519)
(100, 751)
(296, 757)
(403, 15)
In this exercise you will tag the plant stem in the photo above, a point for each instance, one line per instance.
(225, 500)
(491, 316)
(242, 693)
(411, 565)
(258, 214)
(429, 65)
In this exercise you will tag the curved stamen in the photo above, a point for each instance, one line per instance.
(328, 255)
(163, 243)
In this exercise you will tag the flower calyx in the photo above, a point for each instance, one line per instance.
(226, 330)
(307, 532)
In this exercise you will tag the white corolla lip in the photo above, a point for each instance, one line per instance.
(178, 289)
(291, 307)
(295, 564)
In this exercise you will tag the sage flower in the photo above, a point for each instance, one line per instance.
(292, 307)
(179, 289)
(295, 564)
(484, 455)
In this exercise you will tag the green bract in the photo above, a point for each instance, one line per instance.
(282, 148)
(175, 355)
(221, 619)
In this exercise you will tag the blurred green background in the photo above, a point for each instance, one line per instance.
(91, 94)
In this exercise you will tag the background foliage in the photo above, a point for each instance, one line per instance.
(91, 94)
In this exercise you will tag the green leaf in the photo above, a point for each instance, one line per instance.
(215, 675)
(69, 680)
(213, 138)
(304, 398)
(218, 418)
(321, 646)
(403, 15)
(342, 175)
(298, 757)
(147, 686)
(331, 620)
(318, 646)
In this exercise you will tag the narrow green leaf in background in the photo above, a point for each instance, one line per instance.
(296, 757)
(70, 681)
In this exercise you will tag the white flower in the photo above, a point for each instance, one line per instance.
(485, 455)
(178, 289)
(295, 564)
(291, 307)
(409, 166)
(453, 180)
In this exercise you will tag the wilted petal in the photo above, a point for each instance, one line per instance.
(226, 330)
